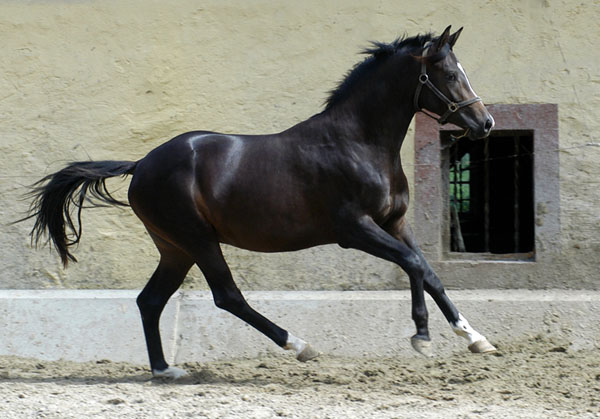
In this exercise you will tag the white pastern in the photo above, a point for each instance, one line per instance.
(171, 373)
(296, 344)
(304, 352)
(464, 329)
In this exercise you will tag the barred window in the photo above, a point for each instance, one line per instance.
(490, 193)
(494, 199)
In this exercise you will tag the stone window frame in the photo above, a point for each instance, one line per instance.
(431, 221)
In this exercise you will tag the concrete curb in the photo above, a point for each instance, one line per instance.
(83, 325)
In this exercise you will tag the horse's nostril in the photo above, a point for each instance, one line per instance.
(489, 123)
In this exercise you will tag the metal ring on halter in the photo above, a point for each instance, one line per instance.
(423, 78)
(453, 107)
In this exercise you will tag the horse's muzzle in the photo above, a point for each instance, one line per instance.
(482, 130)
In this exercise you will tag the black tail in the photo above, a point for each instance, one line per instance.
(54, 195)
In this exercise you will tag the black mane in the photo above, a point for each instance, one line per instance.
(377, 53)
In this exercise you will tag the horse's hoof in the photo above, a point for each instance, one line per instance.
(170, 373)
(481, 347)
(422, 346)
(307, 354)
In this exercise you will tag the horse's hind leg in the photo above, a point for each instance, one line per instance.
(170, 273)
(228, 297)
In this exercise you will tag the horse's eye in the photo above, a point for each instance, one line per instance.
(451, 77)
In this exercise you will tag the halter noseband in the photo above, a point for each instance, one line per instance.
(424, 81)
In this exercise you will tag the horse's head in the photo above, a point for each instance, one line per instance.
(445, 90)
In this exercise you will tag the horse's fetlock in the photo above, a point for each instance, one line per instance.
(420, 315)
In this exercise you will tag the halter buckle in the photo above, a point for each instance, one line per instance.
(453, 107)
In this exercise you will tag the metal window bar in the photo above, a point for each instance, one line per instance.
(516, 209)
(486, 195)
(460, 195)
(460, 182)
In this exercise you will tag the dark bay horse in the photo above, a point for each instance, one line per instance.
(334, 178)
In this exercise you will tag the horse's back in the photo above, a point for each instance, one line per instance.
(247, 188)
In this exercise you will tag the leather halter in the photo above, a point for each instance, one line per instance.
(424, 81)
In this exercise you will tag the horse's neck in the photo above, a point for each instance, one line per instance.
(372, 123)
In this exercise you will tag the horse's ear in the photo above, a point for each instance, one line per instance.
(454, 37)
(443, 39)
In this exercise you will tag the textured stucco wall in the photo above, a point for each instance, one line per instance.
(112, 80)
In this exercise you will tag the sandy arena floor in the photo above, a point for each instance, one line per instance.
(537, 378)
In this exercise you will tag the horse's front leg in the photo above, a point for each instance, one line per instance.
(364, 234)
(432, 284)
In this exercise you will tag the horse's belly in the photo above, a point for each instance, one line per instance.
(272, 232)
(274, 244)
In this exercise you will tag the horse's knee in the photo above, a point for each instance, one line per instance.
(221, 302)
(148, 303)
(414, 266)
(433, 285)
(142, 302)
(228, 301)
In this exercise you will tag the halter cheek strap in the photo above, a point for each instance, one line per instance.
(424, 81)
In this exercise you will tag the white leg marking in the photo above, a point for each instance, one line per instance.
(304, 352)
(295, 343)
(172, 373)
(464, 329)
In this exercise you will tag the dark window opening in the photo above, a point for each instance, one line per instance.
(491, 193)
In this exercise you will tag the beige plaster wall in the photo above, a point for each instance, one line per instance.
(111, 80)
